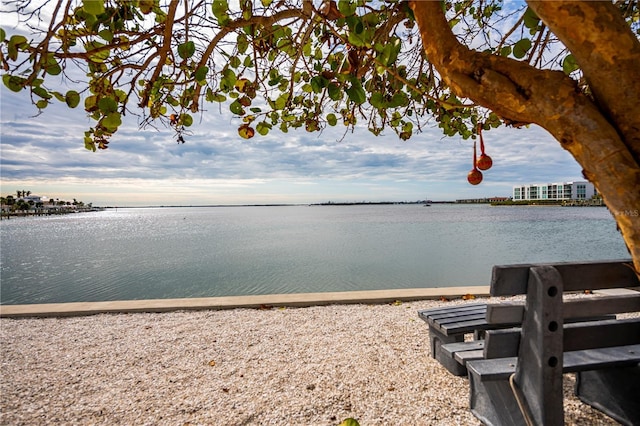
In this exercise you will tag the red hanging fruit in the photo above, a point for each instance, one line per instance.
(475, 176)
(484, 162)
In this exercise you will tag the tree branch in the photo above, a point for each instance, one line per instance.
(608, 54)
(520, 92)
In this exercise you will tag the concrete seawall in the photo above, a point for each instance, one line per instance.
(231, 302)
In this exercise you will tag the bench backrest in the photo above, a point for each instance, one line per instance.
(573, 310)
(508, 280)
(600, 331)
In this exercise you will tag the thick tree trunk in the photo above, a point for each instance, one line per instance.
(602, 135)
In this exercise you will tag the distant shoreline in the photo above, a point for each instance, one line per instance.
(17, 214)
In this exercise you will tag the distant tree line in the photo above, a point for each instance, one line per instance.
(22, 202)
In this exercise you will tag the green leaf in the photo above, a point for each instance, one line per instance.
(281, 102)
(3, 35)
(242, 43)
(349, 422)
(347, 7)
(332, 119)
(42, 104)
(51, 66)
(107, 105)
(201, 73)
(228, 80)
(106, 34)
(390, 52)
(112, 121)
(505, 51)
(399, 99)
(186, 120)
(17, 40)
(356, 93)
(146, 6)
(99, 56)
(263, 128)
(569, 64)
(89, 144)
(90, 103)
(186, 50)
(219, 97)
(220, 10)
(377, 100)
(59, 96)
(43, 93)
(236, 108)
(13, 82)
(234, 62)
(318, 83)
(531, 20)
(72, 98)
(15, 44)
(335, 94)
(521, 48)
(93, 7)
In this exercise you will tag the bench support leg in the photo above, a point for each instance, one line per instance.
(493, 402)
(614, 391)
(437, 340)
(538, 377)
(533, 395)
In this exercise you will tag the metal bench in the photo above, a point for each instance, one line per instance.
(518, 381)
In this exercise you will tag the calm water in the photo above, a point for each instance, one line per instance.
(220, 251)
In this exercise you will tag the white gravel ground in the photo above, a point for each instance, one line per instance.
(304, 366)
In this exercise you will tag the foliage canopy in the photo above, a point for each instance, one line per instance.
(275, 64)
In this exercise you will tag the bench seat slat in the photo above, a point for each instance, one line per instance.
(425, 314)
(590, 359)
(464, 326)
(465, 356)
(451, 348)
(454, 317)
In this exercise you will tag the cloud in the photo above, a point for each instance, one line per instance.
(46, 153)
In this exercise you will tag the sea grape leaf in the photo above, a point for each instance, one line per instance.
(356, 93)
(569, 64)
(93, 7)
(112, 121)
(521, 48)
(186, 50)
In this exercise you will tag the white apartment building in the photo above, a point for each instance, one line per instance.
(554, 191)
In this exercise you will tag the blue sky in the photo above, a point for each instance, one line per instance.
(45, 154)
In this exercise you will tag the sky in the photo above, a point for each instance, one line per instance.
(45, 154)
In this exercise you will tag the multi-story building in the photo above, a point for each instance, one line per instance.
(554, 191)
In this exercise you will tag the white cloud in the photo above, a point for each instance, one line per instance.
(46, 154)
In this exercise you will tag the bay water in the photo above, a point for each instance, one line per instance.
(150, 253)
